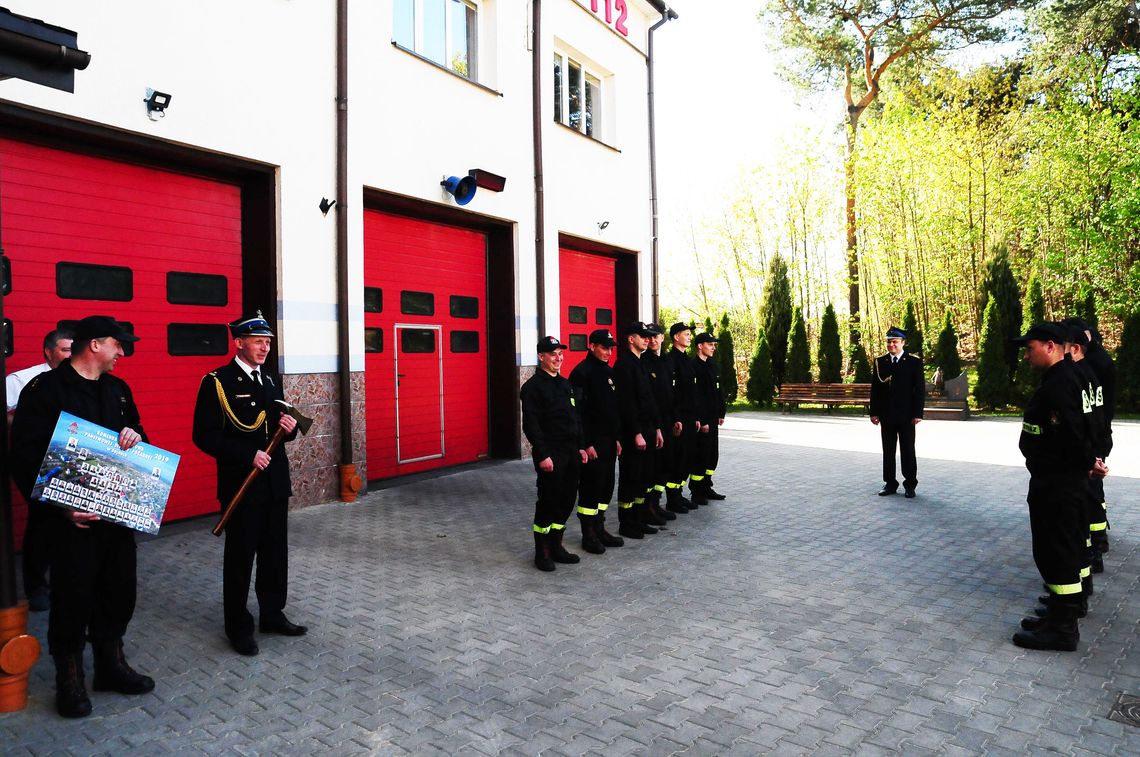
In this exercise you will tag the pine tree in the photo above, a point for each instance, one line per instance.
(709, 325)
(1000, 285)
(910, 326)
(830, 352)
(1128, 365)
(1024, 378)
(946, 354)
(992, 389)
(726, 354)
(776, 314)
(760, 387)
(860, 363)
(1087, 311)
(798, 369)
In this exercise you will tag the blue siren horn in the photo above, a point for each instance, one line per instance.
(462, 188)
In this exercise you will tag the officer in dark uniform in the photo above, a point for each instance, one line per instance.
(593, 382)
(680, 447)
(660, 374)
(639, 432)
(898, 395)
(552, 426)
(1058, 449)
(1100, 361)
(711, 410)
(235, 416)
(93, 562)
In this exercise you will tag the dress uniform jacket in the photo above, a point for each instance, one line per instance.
(898, 390)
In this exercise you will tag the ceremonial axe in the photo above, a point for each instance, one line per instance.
(303, 425)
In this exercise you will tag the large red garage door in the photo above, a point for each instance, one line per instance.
(158, 250)
(588, 297)
(425, 326)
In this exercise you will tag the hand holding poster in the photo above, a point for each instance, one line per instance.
(85, 470)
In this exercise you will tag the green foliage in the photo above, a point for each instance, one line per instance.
(913, 332)
(709, 325)
(761, 387)
(776, 314)
(860, 363)
(946, 354)
(1025, 378)
(1087, 310)
(726, 354)
(1000, 287)
(993, 387)
(1128, 365)
(829, 355)
(799, 354)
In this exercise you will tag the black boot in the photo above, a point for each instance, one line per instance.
(542, 559)
(112, 673)
(697, 494)
(661, 514)
(557, 552)
(70, 694)
(628, 525)
(709, 492)
(650, 517)
(590, 541)
(1097, 561)
(648, 524)
(1081, 603)
(604, 536)
(1057, 631)
(1100, 541)
(674, 502)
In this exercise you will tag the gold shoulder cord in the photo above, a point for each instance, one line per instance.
(882, 380)
(229, 411)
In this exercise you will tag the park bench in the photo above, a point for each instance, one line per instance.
(828, 395)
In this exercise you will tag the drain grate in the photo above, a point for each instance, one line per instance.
(1126, 710)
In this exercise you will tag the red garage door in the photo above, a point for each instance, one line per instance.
(158, 250)
(588, 297)
(425, 327)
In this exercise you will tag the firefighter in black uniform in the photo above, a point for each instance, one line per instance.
(593, 382)
(639, 431)
(551, 425)
(660, 375)
(680, 447)
(93, 562)
(1058, 450)
(898, 395)
(710, 412)
(235, 416)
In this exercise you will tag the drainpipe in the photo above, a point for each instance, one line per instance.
(667, 14)
(350, 482)
(539, 198)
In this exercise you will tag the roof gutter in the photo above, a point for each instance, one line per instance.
(667, 15)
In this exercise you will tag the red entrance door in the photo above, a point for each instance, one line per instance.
(419, 393)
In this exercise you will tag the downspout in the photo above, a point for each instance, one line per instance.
(667, 14)
(350, 482)
(539, 198)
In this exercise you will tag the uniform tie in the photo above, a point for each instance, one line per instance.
(256, 377)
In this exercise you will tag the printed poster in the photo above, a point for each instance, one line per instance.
(85, 470)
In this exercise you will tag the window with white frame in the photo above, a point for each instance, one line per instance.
(577, 95)
(443, 31)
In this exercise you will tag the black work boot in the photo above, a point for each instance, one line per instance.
(1057, 631)
(112, 673)
(604, 536)
(674, 502)
(709, 492)
(590, 541)
(655, 507)
(557, 552)
(650, 516)
(542, 559)
(628, 525)
(697, 494)
(1097, 561)
(1100, 541)
(70, 694)
(648, 524)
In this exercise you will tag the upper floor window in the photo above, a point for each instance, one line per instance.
(443, 31)
(577, 96)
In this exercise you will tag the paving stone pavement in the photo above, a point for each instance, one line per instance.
(804, 615)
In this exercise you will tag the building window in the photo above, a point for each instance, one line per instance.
(464, 307)
(417, 303)
(443, 31)
(464, 341)
(604, 316)
(373, 340)
(197, 339)
(577, 96)
(196, 289)
(417, 340)
(579, 343)
(577, 314)
(373, 300)
(83, 281)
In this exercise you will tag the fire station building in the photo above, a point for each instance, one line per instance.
(411, 191)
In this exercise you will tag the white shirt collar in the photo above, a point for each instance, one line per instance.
(248, 369)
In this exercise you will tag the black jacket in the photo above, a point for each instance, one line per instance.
(709, 398)
(660, 372)
(684, 387)
(1101, 363)
(898, 390)
(217, 431)
(593, 382)
(636, 408)
(1092, 403)
(550, 417)
(1055, 435)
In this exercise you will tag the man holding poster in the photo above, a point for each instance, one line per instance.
(92, 561)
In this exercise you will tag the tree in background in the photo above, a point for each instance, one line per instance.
(830, 352)
(1000, 286)
(709, 325)
(798, 369)
(1128, 365)
(726, 355)
(913, 332)
(1087, 309)
(992, 389)
(761, 388)
(1025, 378)
(860, 363)
(946, 351)
(776, 316)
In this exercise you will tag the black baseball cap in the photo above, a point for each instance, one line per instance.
(1046, 332)
(100, 326)
(549, 344)
(704, 338)
(639, 328)
(602, 337)
(677, 328)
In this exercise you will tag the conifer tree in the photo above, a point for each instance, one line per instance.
(860, 363)
(992, 389)
(1000, 285)
(776, 314)
(1087, 311)
(910, 326)
(760, 387)
(830, 352)
(946, 354)
(1025, 378)
(1128, 365)
(798, 369)
(726, 354)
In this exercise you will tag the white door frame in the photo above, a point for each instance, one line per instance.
(438, 328)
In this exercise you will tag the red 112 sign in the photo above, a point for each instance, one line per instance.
(609, 8)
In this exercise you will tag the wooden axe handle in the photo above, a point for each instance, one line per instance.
(253, 473)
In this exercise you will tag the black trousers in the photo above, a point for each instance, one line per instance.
(902, 436)
(1059, 525)
(557, 490)
(36, 555)
(635, 469)
(257, 531)
(1096, 507)
(705, 455)
(93, 583)
(679, 456)
(597, 479)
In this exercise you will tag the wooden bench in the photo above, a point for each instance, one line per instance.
(828, 395)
